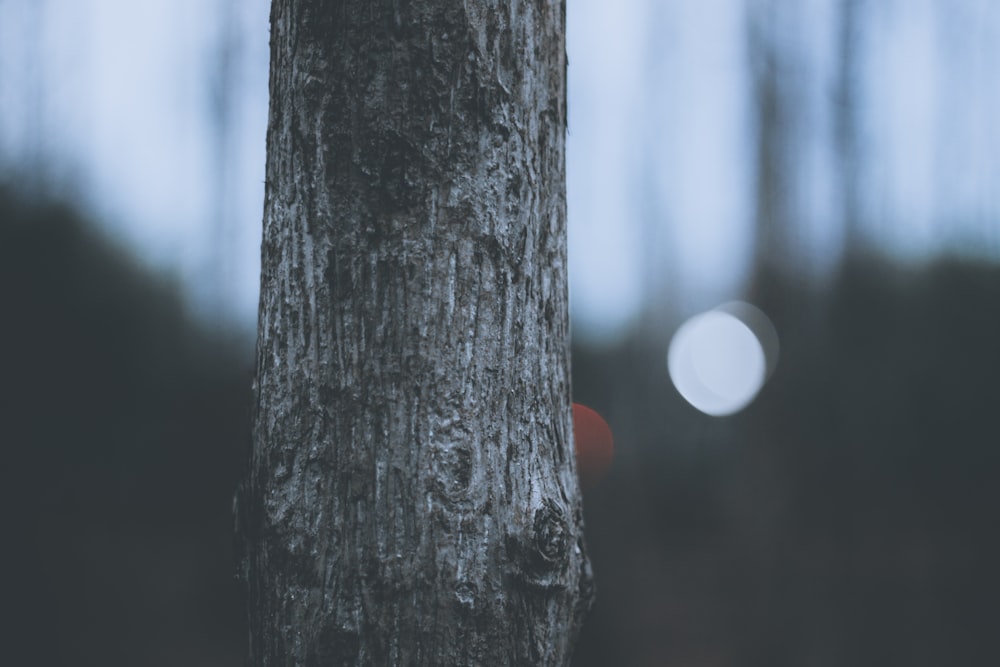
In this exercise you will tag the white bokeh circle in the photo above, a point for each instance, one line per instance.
(717, 363)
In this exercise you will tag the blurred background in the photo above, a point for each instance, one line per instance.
(836, 163)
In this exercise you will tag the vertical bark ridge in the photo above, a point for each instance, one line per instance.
(412, 497)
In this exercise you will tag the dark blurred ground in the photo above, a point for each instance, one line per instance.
(123, 427)
(848, 517)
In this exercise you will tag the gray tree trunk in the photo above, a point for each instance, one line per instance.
(412, 497)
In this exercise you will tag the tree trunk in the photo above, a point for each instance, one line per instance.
(412, 497)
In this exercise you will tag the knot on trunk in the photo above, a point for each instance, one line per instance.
(551, 537)
(452, 473)
(542, 555)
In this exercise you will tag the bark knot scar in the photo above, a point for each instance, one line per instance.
(452, 472)
(551, 536)
(543, 554)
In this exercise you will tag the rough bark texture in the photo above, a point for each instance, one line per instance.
(412, 497)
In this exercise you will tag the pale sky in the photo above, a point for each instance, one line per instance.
(115, 95)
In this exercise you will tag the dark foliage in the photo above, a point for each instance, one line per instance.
(848, 517)
(123, 425)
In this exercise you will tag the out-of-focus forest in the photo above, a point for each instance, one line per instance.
(847, 516)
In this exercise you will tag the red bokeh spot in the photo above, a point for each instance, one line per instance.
(594, 445)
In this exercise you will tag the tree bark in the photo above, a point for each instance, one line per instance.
(411, 496)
